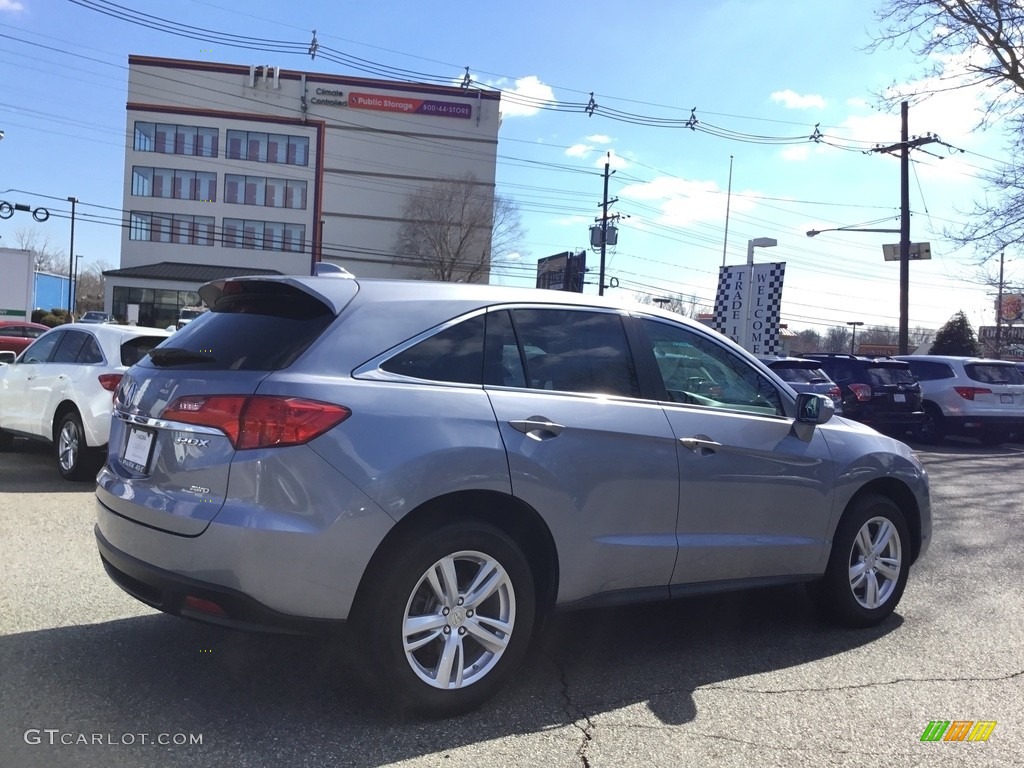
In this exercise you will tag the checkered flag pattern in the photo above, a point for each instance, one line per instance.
(775, 275)
(728, 280)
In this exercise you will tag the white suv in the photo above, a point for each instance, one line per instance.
(970, 396)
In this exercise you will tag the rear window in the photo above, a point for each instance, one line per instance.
(257, 327)
(455, 354)
(929, 370)
(800, 374)
(994, 373)
(881, 375)
(133, 350)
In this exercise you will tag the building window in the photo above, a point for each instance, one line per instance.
(176, 183)
(171, 228)
(263, 235)
(271, 193)
(168, 139)
(267, 148)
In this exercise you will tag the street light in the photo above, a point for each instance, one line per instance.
(71, 257)
(853, 338)
(759, 242)
(813, 232)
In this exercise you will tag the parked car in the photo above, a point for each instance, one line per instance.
(970, 396)
(188, 314)
(440, 465)
(15, 335)
(60, 390)
(806, 376)
(96, 317)
(878, 391)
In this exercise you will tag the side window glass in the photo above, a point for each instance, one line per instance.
(572, 350)
(455, 354)
(67, 351)
(697, 371)
(40, 351)
(503, 364)
(90, 354)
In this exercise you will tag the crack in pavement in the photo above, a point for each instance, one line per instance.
(574, 713)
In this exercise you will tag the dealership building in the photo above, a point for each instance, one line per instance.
(234, 169)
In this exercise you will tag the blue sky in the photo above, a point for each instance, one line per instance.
(764, 68)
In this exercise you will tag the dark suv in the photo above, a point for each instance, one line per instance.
(878, 391)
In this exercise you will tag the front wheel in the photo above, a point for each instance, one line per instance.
(444, 619)
(932, 430)
(867, 570)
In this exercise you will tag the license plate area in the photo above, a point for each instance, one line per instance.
(898, 398)
(1006, 399)
(138, 449)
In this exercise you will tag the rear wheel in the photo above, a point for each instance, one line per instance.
(933, 429)
(867, 570)
(444, 619)
(6, 441)
(74, 459)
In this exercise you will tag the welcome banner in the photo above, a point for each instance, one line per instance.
(748, 305)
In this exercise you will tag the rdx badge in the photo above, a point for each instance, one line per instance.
(199, 442)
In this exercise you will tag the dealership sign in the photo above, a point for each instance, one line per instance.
(748, 304)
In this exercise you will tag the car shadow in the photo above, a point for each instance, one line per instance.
(252, 696)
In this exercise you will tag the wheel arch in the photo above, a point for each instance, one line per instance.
(508, 514)
(62, 410)
(901, 495)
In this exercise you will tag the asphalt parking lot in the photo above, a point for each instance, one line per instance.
(90, 677)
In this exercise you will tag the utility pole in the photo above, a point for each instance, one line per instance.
(605, 202)
(904, 146)
(999, 310)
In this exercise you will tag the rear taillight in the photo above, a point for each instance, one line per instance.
(861, 391)
(109, 381)
(835, 393)
(968, 393)
(258, 421)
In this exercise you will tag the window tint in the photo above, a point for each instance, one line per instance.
(255, 327)
(455, 354)
(992, 373)
(576, 351)
(800, 374)
(67, 351)
(881, 375)
(503, 363)
(40, 351)
(135, 349)
(697, 371)
(929, 370)
(91, 353)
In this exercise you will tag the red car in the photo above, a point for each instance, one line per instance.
(15, 335)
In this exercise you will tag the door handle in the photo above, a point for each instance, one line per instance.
(537, 427)
(701, 443)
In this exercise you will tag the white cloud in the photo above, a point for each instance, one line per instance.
(797, 153)
(523, 99)
(11, 5)
(793, 100)
(579, 150)
(599, 138)
(685, 202)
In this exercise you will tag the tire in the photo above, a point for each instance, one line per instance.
(74, 459)
(6, 441)
(428, 578)
(855, 591)
(932, 430)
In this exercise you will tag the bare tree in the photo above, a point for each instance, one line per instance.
(837, 340)
(986, 39)
(46, 256)
(807, 340)
(456, 228)
(89, 288)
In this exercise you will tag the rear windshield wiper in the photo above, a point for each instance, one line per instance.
(178, 356)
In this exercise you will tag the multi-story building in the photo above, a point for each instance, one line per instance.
(233, 169)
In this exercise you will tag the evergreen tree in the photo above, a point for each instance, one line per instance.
(956, 337)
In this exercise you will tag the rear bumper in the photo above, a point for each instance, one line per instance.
(168, 592)
(886, 421)
(970, 425)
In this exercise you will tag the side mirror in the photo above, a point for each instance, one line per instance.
(814, 409)
(7, 356)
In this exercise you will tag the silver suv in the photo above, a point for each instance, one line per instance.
(440, 465)
(970, 396)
